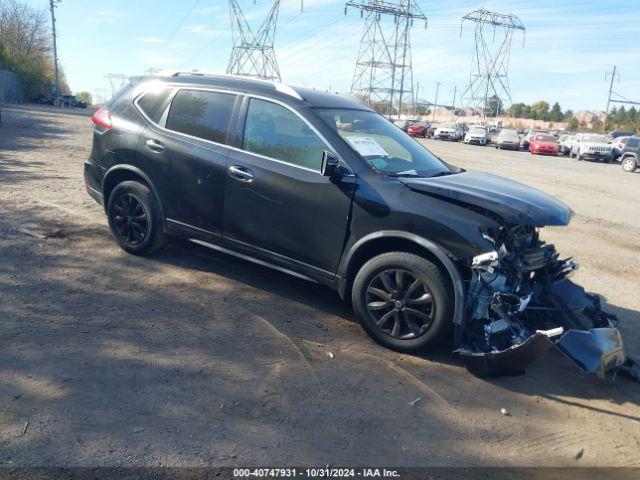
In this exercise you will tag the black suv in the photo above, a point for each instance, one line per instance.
(321, 187)
(630, 155)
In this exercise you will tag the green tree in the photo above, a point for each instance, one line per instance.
(573, 124)
(556, 114)
(85, 97)
(540, 110)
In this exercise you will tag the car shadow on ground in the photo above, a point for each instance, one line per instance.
(553, 375)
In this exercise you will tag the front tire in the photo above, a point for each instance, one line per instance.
(135, 219)
(402, 302)
(629, 164)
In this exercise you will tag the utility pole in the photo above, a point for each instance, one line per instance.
(453, 104)
(613, 76)
(435, 104)
(56, 78)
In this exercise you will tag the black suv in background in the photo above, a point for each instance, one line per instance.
(630, 155)
(321, 187)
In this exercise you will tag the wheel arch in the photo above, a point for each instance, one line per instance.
(122, 173)
(380, 242)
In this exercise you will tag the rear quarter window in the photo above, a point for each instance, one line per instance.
(151, 103)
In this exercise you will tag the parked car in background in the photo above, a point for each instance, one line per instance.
(477, 136)
(527, 139)
(404, 124)
(44, 99)
(591, 146)
(619, 133)
(565, 142)
(418, 129)
(508, 139)
(630, 157)
(71, 101)
(617, 145)
(543, 144)
(448, 131)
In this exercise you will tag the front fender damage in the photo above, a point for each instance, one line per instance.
(521, 302)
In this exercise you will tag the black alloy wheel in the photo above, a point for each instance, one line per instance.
(130, 219)
(404, 302)
(400, 304)
(135, 218)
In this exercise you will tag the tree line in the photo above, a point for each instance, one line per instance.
(26, 47)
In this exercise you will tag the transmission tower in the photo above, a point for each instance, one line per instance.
(488, 91)
(116, 82)
(383, 73)
(252, 53)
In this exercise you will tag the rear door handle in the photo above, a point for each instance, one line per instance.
(154, 145)
(241, 174)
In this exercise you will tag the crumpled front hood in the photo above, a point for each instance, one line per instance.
(515, 202)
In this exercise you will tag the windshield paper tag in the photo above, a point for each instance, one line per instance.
(367, 147)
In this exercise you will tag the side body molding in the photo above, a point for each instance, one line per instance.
(433, 248)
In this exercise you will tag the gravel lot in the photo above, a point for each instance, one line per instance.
(193, 358)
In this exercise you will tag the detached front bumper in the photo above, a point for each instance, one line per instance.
(508, 326)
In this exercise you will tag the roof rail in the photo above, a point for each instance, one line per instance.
(280, 87)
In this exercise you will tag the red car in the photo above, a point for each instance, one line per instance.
(544, 144)
(418, 130)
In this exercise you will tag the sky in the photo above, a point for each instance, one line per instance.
(568, 47)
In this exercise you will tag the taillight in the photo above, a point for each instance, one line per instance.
(102, 118)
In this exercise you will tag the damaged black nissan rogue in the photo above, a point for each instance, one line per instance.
(321, 187)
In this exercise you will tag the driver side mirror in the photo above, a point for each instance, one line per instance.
(329, 165)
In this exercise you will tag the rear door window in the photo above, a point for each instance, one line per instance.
(201, 114)
(275, 132)
(633, 142)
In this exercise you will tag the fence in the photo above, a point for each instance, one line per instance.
(10, 88)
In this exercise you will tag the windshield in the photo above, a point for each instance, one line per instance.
(595, 138)
(478, 131)
(448, 125)
(383, 147)
(546, 138)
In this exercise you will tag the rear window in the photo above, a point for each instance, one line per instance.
(151, 103)
(201, 114)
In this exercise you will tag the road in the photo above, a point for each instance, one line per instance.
(193, 358)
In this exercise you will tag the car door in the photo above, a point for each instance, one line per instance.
(191, 141)
(277, 205)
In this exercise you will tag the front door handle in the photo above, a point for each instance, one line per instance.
(154, 145)
(241, 174)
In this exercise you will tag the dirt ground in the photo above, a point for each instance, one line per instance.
(194, 358)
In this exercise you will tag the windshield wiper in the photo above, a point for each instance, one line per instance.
(445, 173)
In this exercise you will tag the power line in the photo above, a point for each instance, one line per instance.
(184, 19)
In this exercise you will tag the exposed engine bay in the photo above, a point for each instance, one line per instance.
(521, 302)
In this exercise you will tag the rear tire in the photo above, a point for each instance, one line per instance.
(135, 219)
(418, 318)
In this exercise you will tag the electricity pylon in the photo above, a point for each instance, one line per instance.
(383, 74)
(489, 91)
(252, 53)
(116, 81)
